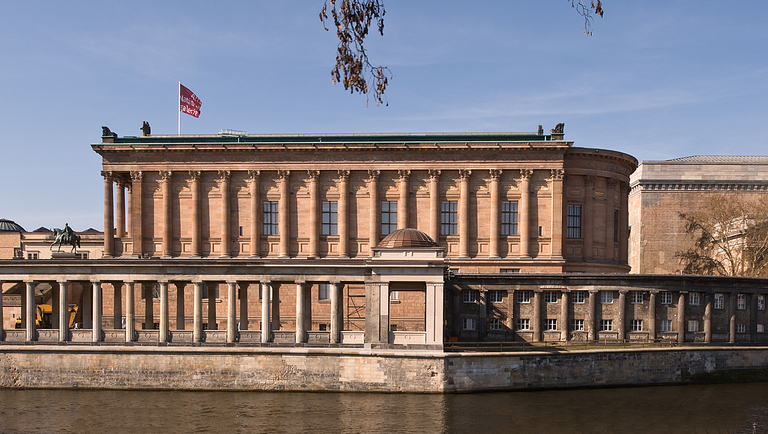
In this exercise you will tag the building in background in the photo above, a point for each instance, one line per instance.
(661, 190)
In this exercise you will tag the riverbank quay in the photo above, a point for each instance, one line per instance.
(369, 370)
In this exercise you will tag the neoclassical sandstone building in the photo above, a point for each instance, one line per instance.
(496, 202)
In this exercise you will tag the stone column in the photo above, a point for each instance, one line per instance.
(564, 317)
(197, 241)
(314, 214)
(244, 306)
(434, 204)
(137, 233)
(63, 311)
(120, 209)
(30, 311)
(212, 287)
(495, 215)
(266, 328)
(180, 317)
(402, 202)
(166, 178)
(537, 315)
(588, 215)
(343, 213)
(96, 292)
(300, 313)
(592, 316)
(130, 315)
(149, 306)
(117, 305)
(464, 176)
(652, 316)
(129, 210)
(623, 222)
(255, 221)
(336, 310)
(87, 297)
(231, 312)
(284, 211)
(707, 318)
(435, 319)
(54, 306)
(525, 216)
(681, 317)
(109, 217)
(373, 192)
(610, 207)
(197, 327)
(2, 330)
(732, 318)
(621, 326)
(164, 327)
(226, 232)
(556, 229)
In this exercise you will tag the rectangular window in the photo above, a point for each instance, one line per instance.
(637, 325)
(470, 296)
(666, 325)
(551, 324)
(394, 295)
(693, 325)
(32, 255)
(269, 218)
(449, 218)
(719, 301)
(578, 296)
(206, 291)
(760, 302)
(636, 297)
(523, 324)
(495, 296)
(666, 298)
(509, 218)
(82, 255)
(694, 298)
(550, 297)
(615, 226)
(741, 302)
(323, 291)
(574, 221)
(523, 296)
(761, 328)
(606, 325)
(578, 325)
(469, 323)
(509, 270)
(494, 324)
(741, 328)
(388, 217)
(330, 218)
(606, 297)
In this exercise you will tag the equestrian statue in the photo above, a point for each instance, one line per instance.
(65, 236)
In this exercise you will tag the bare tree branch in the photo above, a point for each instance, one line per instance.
(586, 12)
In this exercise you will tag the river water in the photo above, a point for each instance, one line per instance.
(729, 408)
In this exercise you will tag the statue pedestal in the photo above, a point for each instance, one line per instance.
(63, 255)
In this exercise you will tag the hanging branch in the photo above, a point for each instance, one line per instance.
(586, 12)
(352, 19)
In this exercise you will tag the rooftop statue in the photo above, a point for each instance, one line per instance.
(65, 236)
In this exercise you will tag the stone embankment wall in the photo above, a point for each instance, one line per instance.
(368, 370)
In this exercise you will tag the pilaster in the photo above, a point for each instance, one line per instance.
(464, 176)
(226, 229)
(343, 213)
(166, 178)
(255, 208)
(434, 204)
(109, 220)
(495, 174)
(284, 218)
(402, 203)
(373, 228)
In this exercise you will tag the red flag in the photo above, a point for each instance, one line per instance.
(189, 103)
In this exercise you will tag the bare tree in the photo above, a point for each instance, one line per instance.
(352, 20)
(730, 236)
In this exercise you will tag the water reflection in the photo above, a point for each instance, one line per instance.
(678, 409)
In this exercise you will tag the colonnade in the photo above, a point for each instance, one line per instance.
(115, 215)
(92, 309)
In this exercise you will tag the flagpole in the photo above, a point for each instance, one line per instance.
(178, 105)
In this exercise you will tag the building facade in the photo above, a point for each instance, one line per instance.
(661, 190)
(495, 202)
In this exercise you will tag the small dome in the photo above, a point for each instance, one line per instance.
(10, 226)
(407, 238)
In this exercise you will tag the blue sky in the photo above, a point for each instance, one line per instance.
(657, 80)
